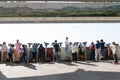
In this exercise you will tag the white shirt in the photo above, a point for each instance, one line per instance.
(66, 42)
(4, 48)
(74, 48)
(114, 49)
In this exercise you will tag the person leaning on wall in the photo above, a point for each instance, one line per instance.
(4, 52)
(114, 51)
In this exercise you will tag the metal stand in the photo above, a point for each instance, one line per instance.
(46, 44)
(60, 43)
(29, 57)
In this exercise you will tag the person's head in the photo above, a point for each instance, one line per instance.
(66, 38)
(41, 45)
(113, 43)
(97, 41)
(23, 46)
(55, 41)
(4, 42)
(101, 40)
(92, 43)
(12, 46)
(17, 41)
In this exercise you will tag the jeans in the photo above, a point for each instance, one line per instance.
(10, 57)
(67, 51)
(92, 55)
(74, 55)
(56, 56)
(34, 55)
(23, 58)
(115, 58)
(102, 52)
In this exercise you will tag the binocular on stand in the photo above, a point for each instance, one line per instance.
(46, 44)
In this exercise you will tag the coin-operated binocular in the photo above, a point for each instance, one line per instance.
(46, 44)
(0, 45)
(85, 43)
(108, 45)
(29, 44)
(76, 43)
(70, 43)
(53, 43)
(11, 45)
(60, 43)
(36, 44)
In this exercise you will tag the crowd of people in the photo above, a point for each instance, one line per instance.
(21, 53)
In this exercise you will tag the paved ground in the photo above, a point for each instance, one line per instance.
(61, 71)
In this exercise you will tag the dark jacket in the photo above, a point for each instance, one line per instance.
(56, 46)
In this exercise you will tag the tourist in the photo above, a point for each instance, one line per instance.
(102, 48)
(34, 52)
(56, 46)
(97, 51)
(92, 51)
(4, 52)
(41, 53)
(80, 51)
(114, 51)
(10, 54)
(24, 54)
(17, 45)
(74, 52)
(67, 47)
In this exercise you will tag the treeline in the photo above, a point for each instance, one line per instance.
(60, 14)
(69, 11)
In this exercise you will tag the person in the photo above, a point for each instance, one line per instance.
(41, 53)
(97, 51)
(67, 47)
(34, 52)
(80, 51)
(102, 48)
(74, 52)
(10, 54)
(56, 46)
(4, 52)
(17, 45)
(114, 51)
(24, 54)
(92, 51)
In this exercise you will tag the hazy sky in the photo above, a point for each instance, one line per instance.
(48, 32)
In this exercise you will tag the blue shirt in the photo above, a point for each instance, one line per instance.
(102, 45)
(98, 46)
(24, 51)
(34, 48)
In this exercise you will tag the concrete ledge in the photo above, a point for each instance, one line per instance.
(57, 19)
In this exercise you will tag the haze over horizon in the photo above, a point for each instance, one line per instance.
(48, 32)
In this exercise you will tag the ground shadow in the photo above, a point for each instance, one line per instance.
(2, 76)
(28, 65)
(80, 74)
(69, 63)
(86, 63)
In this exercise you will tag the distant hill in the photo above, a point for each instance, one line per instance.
(64, 12)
